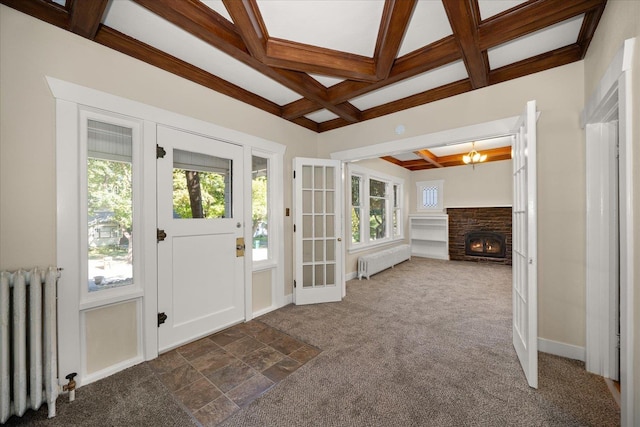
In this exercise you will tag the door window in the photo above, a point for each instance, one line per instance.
(201, 186)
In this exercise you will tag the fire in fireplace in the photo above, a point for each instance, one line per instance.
(485, 244)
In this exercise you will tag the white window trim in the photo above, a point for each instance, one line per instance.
(366, 175)
(439, 183)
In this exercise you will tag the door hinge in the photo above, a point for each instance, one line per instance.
(294, 174)
(618, 341)
(160, 152)
(162, 317)
(294, 283)
(294, 228)
(161, 235)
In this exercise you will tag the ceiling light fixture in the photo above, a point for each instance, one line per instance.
(474, 157)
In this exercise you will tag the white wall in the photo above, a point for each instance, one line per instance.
(488, 185)
(620, 21)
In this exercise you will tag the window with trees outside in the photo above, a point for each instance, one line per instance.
(260, 207)
(376, 207)
(109, 205)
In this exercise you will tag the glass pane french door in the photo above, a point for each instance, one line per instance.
(319, 252)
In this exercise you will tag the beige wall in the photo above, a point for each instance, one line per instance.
(489, 184)
(620, 21)
(261, 290)
(111, 335)
(561, 195)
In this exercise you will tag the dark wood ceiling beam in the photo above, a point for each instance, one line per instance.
(394, 23)
(86, 16)
(318, 60)
(299, 108)
(464, 23)
(41, 9)
(432, 95)
(530, 17)
(417, 62)
(393, 160)
(248, 21)
(129, 46)
(545, 61)
(589, 25)
(429, 157)
(199, 20)
(306, 123)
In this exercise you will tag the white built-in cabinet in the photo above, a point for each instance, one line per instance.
(429, 235)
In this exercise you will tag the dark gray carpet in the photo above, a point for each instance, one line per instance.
(427, 343)
(133, 397)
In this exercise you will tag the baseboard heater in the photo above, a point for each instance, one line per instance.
(28, 347)
(381, 260)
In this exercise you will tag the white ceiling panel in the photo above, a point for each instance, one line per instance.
(60, 2)
(465, 147)
(323, 23)
(428, 24)
(137, 22)
(218, 6)
(326, 80)
(557, 36)
(489, 8)
(321, 116)
(403, 157)
(420, 83)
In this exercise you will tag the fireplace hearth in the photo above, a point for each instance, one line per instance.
(485, 244)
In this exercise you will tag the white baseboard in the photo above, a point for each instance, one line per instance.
(288, 299)
(113, 369)
(351, 276)
(561, 349)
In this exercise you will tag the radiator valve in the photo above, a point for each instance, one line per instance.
(71, 386)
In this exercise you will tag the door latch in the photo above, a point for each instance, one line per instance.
(240, 246)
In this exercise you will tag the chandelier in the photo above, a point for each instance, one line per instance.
(473, 157)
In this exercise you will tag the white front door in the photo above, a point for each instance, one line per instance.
(318, 231)
(200, 275)
(525, 245)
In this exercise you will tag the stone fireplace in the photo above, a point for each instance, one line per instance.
(480, 234)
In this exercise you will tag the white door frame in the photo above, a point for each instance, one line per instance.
(613, 93)
(68, 97)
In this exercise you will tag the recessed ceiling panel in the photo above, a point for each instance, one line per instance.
(141, 24)
(489, 8)
(218, 6)
(465, 147)
(321, 116)
(562, 34)
(420, 83)
(428, 24)
(344, 25)
(61, 2)
(403, 157)
(326, 80)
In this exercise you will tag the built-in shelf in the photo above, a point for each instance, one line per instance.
(429, 235)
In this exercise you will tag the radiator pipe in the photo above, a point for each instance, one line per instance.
(71, 386)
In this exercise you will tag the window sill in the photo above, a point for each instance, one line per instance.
(369, 246)
(106, 298)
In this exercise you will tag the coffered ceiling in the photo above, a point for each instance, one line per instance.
(325, 64)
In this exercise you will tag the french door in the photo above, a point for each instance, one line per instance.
(319, 251)
(200, 248)
(525, 245)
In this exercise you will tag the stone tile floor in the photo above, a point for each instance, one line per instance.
(217, 375)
